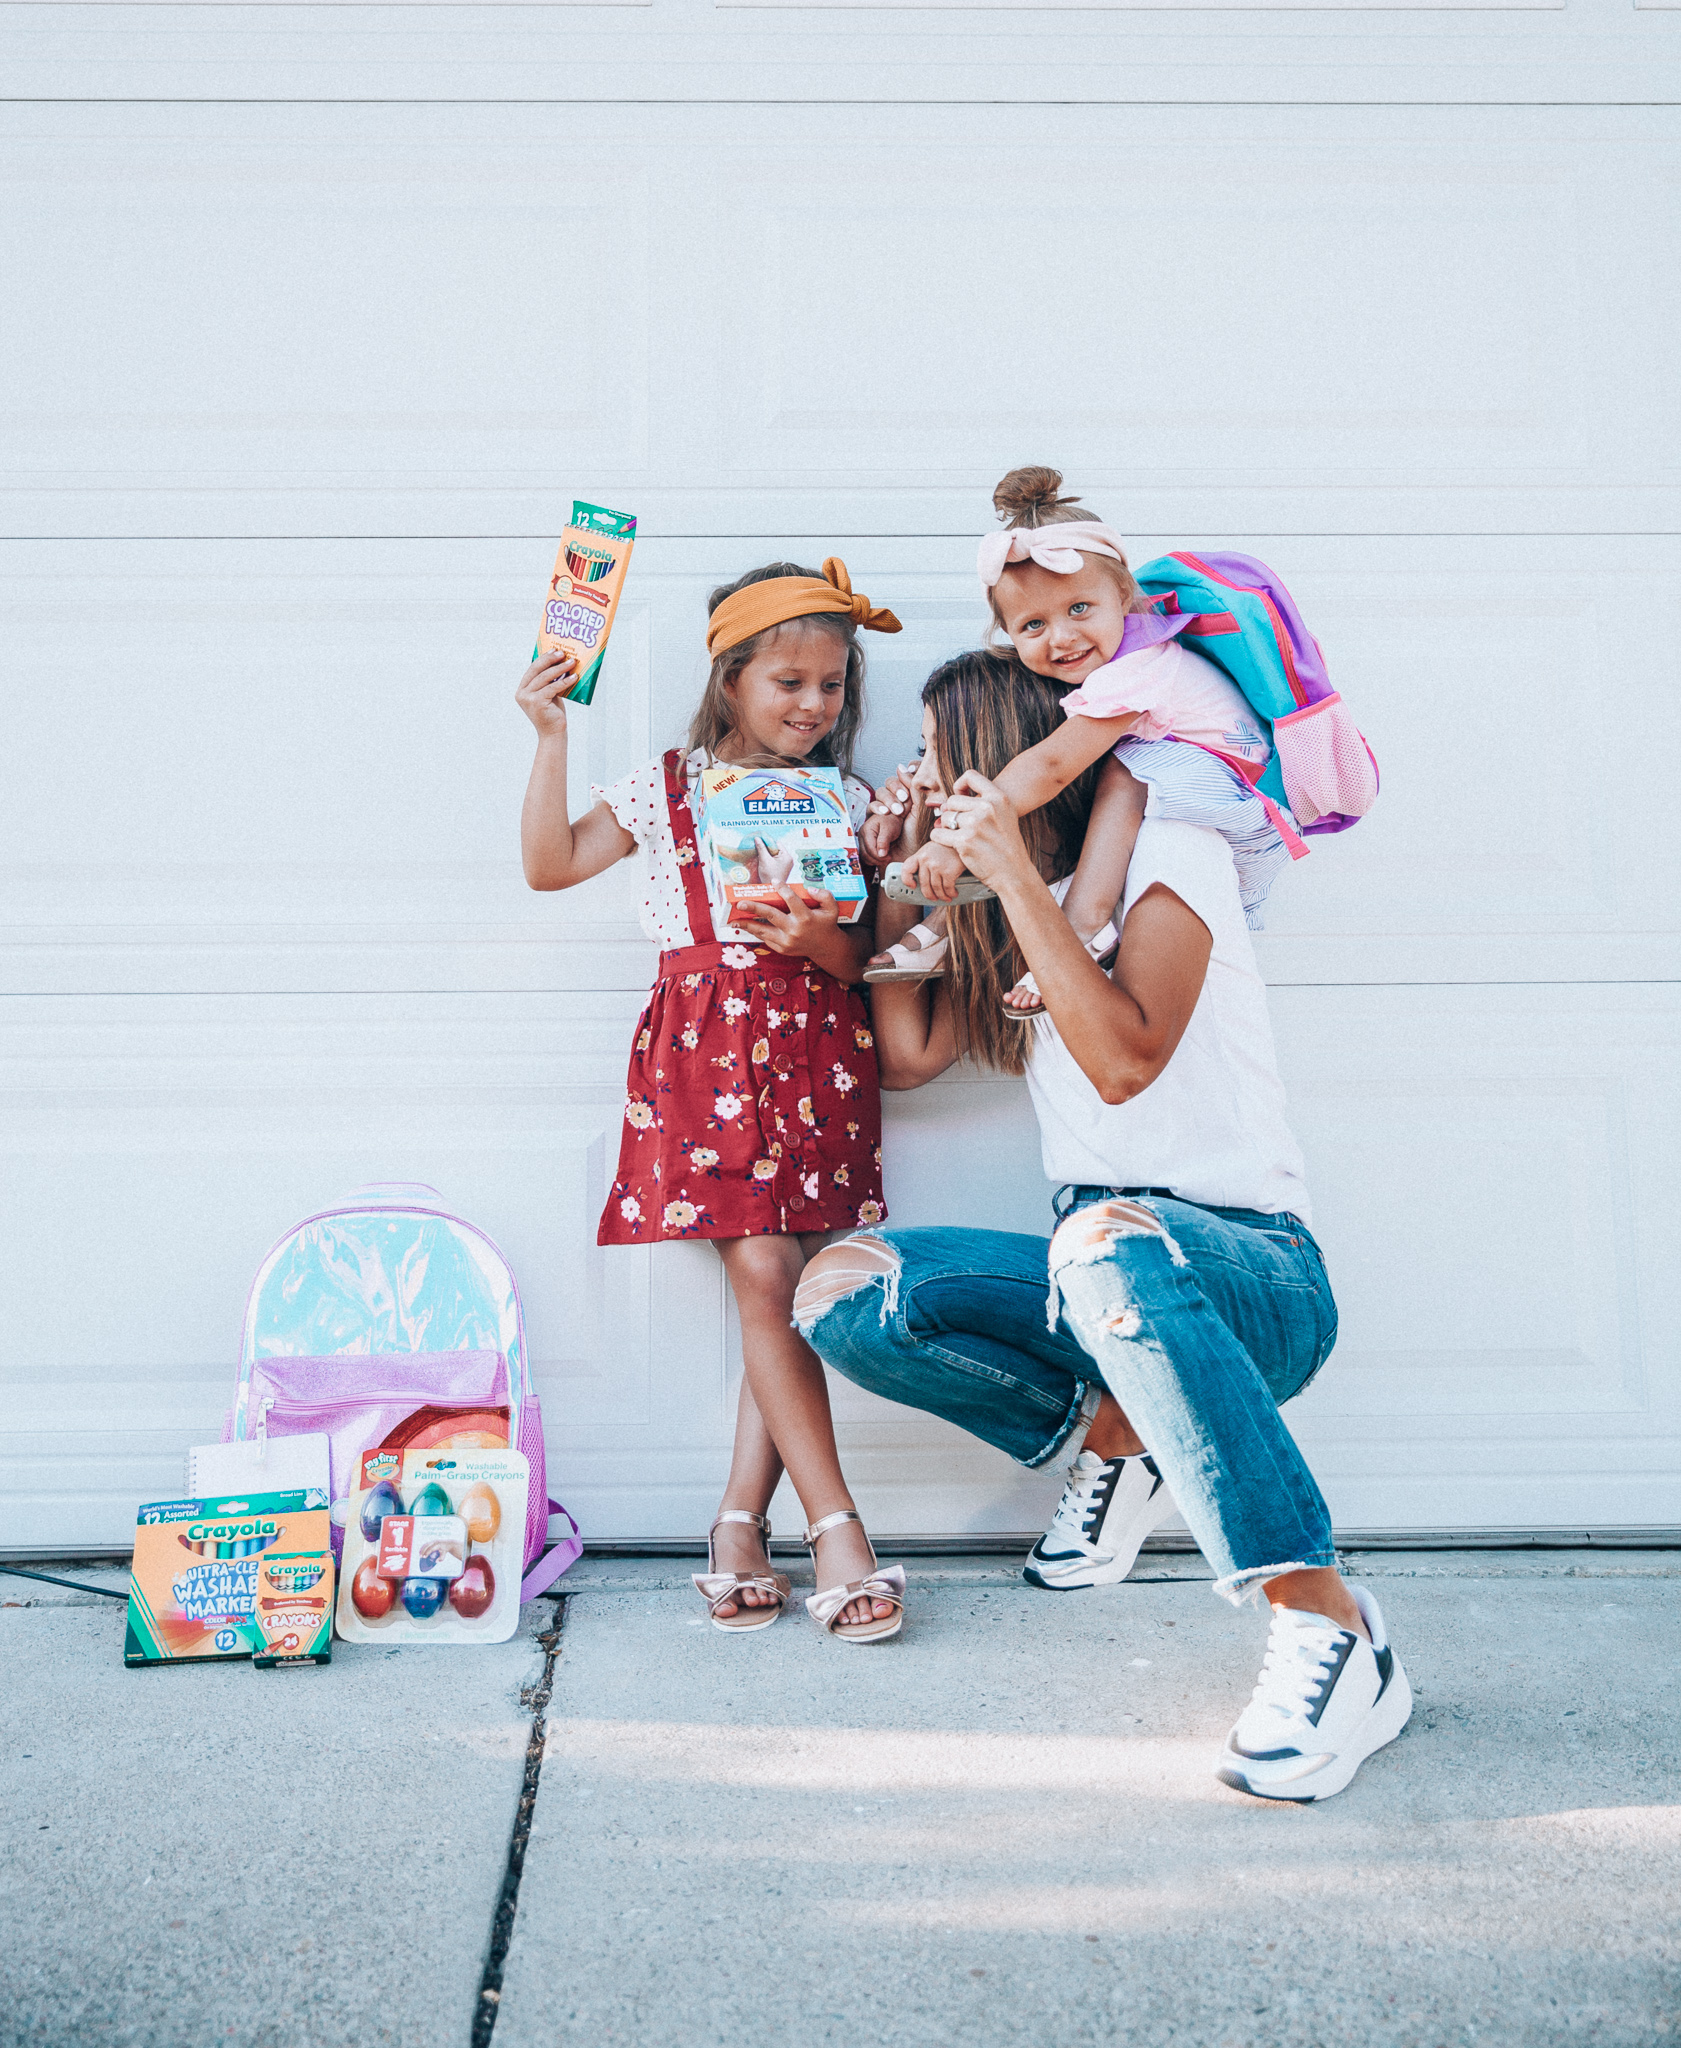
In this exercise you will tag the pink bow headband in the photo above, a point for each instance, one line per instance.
(1057, 548)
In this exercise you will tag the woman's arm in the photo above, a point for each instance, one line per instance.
(558, 854)
(1124, 1027)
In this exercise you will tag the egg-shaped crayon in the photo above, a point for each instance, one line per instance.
(372, 1595)
(471, 1594)
(382, 1500)
(481, 1511)
(430, 1500)
(423, 1597)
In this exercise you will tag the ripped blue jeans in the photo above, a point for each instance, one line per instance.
(1200, 1322)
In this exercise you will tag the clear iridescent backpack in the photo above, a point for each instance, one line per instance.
(389, 1319)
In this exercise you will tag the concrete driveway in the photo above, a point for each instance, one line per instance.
(1001, 1828)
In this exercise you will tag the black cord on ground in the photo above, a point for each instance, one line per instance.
(105, 1592)
(502, 1922)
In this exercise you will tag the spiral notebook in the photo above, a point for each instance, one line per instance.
(275, 1464)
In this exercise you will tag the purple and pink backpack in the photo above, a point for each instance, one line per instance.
(1236, 613)
(383, 1317)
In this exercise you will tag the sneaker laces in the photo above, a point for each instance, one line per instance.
(1300, 1649)
(1084, 1499)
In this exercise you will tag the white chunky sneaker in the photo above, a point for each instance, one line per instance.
(1326, 1699)
(1107, 1509)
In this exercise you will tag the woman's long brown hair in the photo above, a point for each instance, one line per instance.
(987, 709)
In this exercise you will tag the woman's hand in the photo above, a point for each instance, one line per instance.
(542, 692)
(979, 823)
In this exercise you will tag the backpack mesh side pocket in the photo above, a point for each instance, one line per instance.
(1327, 766)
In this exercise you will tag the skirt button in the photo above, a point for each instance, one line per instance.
(796, 1203)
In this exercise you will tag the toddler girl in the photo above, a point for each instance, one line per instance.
(1069, 605)
(753, 1108)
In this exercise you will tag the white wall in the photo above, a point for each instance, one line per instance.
(326, 315)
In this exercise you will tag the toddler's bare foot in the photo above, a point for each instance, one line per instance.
(1101, 941)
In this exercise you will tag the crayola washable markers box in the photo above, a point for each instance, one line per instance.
(764, 830)
(193, 1591)
(589, 573)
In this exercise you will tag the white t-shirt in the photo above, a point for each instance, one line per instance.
(1211, 1125)
(638, 802)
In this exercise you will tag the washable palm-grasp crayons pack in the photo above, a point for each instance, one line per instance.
(765, 830)
(589, 575)
(433, 1545)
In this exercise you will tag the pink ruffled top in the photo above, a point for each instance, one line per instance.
(1178, 696)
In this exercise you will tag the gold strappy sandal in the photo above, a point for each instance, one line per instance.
(877, 1584)
(717, 1587)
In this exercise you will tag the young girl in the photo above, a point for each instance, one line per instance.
(753, 1108)
(1064, 601)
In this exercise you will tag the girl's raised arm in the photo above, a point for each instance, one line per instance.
(556, 853)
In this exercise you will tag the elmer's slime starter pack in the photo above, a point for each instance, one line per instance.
(764, 828)
(204, 1569)
(434, 1548)
(589, 573)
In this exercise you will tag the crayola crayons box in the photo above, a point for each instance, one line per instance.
(764, 830)
(292, 1616)
(193, 1591)
(589, 573)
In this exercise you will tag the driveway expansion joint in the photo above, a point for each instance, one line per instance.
(536, 1699)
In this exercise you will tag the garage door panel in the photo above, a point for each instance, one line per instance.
(1494, 1173)
(153, 1153)
(1361, 302)
(296, 314)
(360, 828)
(1452, 323)
(363, 817)
(694, 51)
(1494, 1179)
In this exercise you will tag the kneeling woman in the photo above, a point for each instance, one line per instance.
(1187, 1298)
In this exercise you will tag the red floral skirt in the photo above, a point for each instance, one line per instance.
(752, 1106)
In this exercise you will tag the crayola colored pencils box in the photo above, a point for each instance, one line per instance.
(764, 830)
(589, 574)
(192, 1595)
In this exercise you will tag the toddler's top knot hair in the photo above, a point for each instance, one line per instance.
(1029, 497)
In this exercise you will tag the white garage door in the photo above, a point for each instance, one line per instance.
(328, 314)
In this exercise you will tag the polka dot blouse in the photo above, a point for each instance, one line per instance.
(637, 800)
